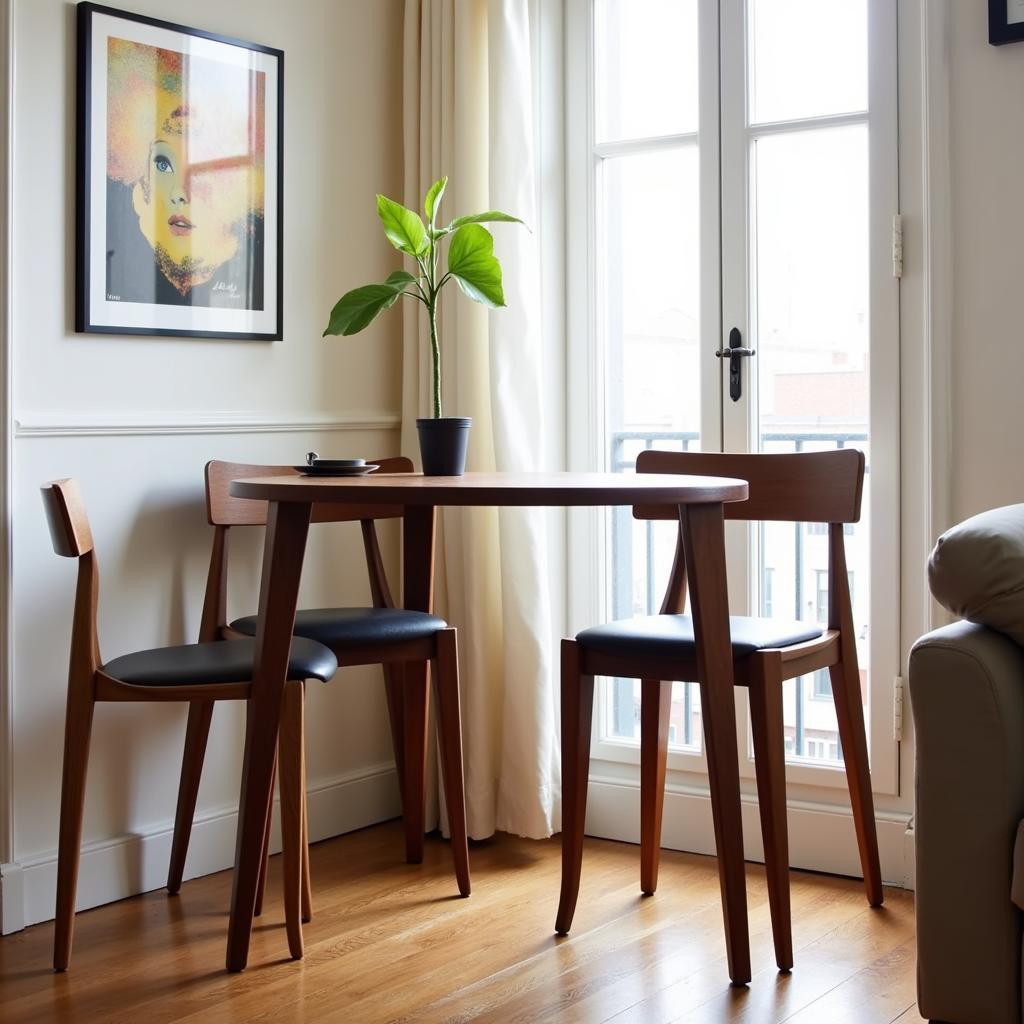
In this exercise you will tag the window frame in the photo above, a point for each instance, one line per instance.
(585, 355)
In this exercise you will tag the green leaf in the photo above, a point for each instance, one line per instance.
(483, 218)
(404, 228)
(433, 200)
(359, 307)
(472, 263)
(400, 278)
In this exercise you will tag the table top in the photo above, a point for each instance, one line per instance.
(527, 489)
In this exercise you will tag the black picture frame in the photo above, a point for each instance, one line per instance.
(1001, 29)
(172, 118)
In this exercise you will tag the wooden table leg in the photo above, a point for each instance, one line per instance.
(418, 558)
(417, 595)
(284, 547)
(704, 546)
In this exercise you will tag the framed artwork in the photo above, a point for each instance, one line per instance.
(1005, 21)
(179, 180)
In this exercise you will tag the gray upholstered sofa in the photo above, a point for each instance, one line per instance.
(967, 691)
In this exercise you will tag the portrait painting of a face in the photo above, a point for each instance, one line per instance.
(185, 155)
(187, 233)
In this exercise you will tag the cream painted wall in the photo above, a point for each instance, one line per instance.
(144, 493)
(987, 136)
(342, 135)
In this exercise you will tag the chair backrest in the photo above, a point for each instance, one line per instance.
(72, 538)
(65, 515)
(224, 509)
(803, 487)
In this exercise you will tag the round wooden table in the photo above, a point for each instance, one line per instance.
(291, 500)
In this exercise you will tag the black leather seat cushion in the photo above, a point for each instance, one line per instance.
(354, 627)
(225, 661)
(672, 635)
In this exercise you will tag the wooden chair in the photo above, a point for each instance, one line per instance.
(403, 642)
(657, 649)
(204, 671)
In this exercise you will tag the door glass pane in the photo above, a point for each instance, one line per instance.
(810, 259)
(650, 278)
(650, 223)
(810, 272)
(646, 64)
(809, 58)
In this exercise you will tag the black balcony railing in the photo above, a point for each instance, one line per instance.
(625, 446)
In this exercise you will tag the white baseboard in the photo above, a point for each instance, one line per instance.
(12, 899)
(821, 838)
(124, 866)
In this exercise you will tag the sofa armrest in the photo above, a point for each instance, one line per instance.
(967, 691)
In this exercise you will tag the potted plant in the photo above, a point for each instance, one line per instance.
(471, 263)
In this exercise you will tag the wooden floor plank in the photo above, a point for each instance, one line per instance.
(594, 952)
(821, 906)
(911, 1016)
(390, 942)
(880, 991)
(844, 946)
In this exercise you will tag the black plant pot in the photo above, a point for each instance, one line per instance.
(443, 444)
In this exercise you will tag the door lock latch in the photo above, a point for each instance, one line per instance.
(735, 353)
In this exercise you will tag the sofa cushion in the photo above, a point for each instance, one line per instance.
(976, 570)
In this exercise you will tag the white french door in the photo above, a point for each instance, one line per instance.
(733, 180)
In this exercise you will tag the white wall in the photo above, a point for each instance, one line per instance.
(987, 135)
(144, 491)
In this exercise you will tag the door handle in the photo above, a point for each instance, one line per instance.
(736, 353)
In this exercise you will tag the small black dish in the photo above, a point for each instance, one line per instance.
(325, 467)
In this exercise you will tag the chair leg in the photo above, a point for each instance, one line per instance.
(415, 758)
(307, 885)
(766, 725)
(77, 731)
(200, 714)
(449, 728)
(261, 881)
(577, 713)
(290, 767)
(850, 716)
(655, 711)
(394, 685)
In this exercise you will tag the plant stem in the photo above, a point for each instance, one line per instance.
(429, 266)
(435, 353)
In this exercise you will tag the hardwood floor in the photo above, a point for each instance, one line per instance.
(392, 942)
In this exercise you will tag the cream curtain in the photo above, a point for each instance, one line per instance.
(468, 114)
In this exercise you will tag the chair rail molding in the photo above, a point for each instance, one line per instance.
(171, 422)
